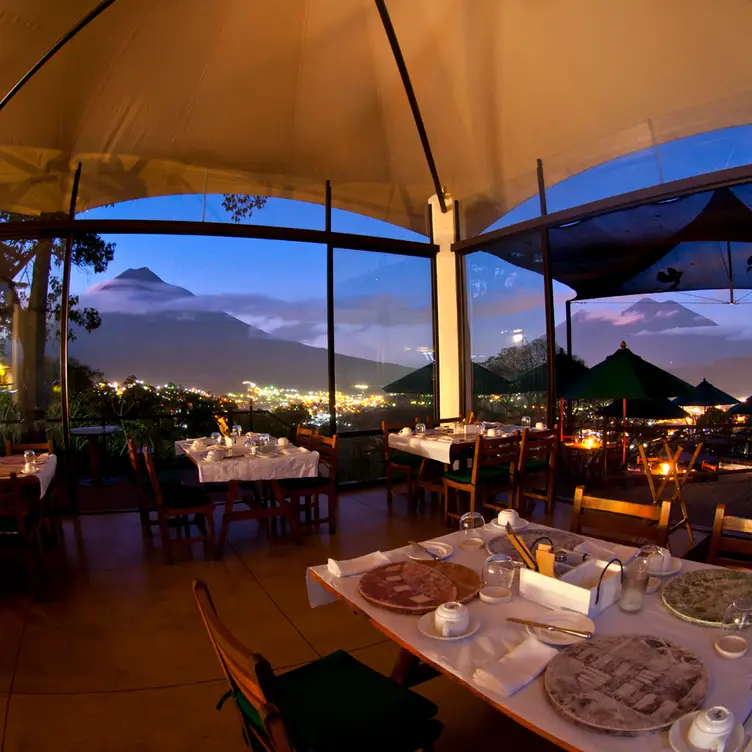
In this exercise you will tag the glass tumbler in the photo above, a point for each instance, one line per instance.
(634, 585)
(499, 571)
(30, 459)
(216, 437)
(420, 428)
(471, 524)
(738, 616)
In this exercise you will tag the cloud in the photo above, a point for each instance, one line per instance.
(617, 318)
(716, 332)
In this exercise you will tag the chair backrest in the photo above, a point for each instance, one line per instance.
(152, 473)
(133, 458)
(490, 452)
(15, 495)
(247, 673)
(303, 436)
(327, 449)
(39, 446)
(620, 521)
(387, 428)
(541, 445)
(728, 538)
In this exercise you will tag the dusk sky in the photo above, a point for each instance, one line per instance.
(383, 302)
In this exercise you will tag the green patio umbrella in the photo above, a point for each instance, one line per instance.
(707, 395)
(742, 408)
(657, 409)
(568, 371)
(421, 382)
(625, 375)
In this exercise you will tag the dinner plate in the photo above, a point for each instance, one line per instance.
(427, 627)
(569, 619)
(677, 735)
(523, 524)
(441, 549)
(675, 568)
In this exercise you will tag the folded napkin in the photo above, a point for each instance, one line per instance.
(349, 567)
(516, 669)
(448, 439)
(599, 551)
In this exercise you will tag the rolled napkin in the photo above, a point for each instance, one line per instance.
(350, 567)
(516, 669)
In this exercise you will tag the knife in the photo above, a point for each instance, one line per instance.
(551, 627)
(425, 550)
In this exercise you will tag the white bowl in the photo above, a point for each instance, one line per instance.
(731, 646)
(283, 442)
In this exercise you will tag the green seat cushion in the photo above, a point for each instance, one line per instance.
(397, 457)
(535, 465)
(337, 704)
(299, 484)
(496, 473)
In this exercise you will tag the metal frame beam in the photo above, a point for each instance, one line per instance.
(30, 230)
(675, 189)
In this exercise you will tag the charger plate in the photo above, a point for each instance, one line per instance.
(702, 596)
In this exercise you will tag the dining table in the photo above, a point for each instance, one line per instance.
(532, 705)
(44, 473)
(269, 465)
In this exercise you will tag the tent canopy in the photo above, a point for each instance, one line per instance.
(656, 409)
(697, 242)
(421, 382)
(160, 97)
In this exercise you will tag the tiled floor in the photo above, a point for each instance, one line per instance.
(116, 658)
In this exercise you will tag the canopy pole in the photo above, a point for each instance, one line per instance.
(731, 273)
(83, 23)
(64, 319)
(417, 117)
(548, 294)
(332, 377)
(569, 354)
(624, 436)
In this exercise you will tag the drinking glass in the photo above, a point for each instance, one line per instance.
(634, 585)
(420, 428)
(237, 431)
(30, 457)
(250, 446)
(654, 558)
(498, 571)
(471, 524)
(525, 421)
(216, 437)
(738, 616)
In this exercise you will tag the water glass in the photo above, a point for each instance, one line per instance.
(525, 421)
(471, 524)
(30, 458)
(237, 431)
(420, 428)
(499, 571)
(738, 616)
(655, 558)
(251, 447)
(216, 437)
(634, 585)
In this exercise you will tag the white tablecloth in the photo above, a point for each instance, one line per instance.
(730, 679)
(292, 462)
(44, 474)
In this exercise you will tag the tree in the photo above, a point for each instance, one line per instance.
(241, 206)
(32, 304)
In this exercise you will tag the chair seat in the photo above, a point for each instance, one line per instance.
(397, 457)
(498, 472)
(535, 465)
(302, 484)
(339, 705)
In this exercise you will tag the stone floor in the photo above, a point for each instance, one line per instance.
(116, 657)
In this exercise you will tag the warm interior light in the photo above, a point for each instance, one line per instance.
(591, 442)
(665, 468)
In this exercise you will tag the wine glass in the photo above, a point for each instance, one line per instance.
(738, 616)
(498, 571)
(471, 524)
(216, 437)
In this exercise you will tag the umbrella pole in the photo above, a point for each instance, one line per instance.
(624, 437)
(561, 419)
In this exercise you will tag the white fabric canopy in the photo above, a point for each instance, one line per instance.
(162, 97)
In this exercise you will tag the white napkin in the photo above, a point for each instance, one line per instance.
(516, 669)
(349, 567)
(602, 552)
(448, 439)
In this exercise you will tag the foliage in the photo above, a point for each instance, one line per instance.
(241, 206)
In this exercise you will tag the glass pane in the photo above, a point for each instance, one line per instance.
(382, 332)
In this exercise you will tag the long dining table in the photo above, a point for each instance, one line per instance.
(44, 474)
(730, 683)
(272, 464)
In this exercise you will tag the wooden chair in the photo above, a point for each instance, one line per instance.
(335, 703)
(311, 489)
(494, 469)
(536, 474)
(20, 523)
(402, 462)
(620, 521)
(144, 498)
(174, 504)
(730, 541)
(304, 436)
(39, 446)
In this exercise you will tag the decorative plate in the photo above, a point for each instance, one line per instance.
(703, 595)
(560, 539)
(626, 684)
(417, 587)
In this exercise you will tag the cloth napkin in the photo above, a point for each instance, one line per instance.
(350, 567)
(516, 669)
(448, 439)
